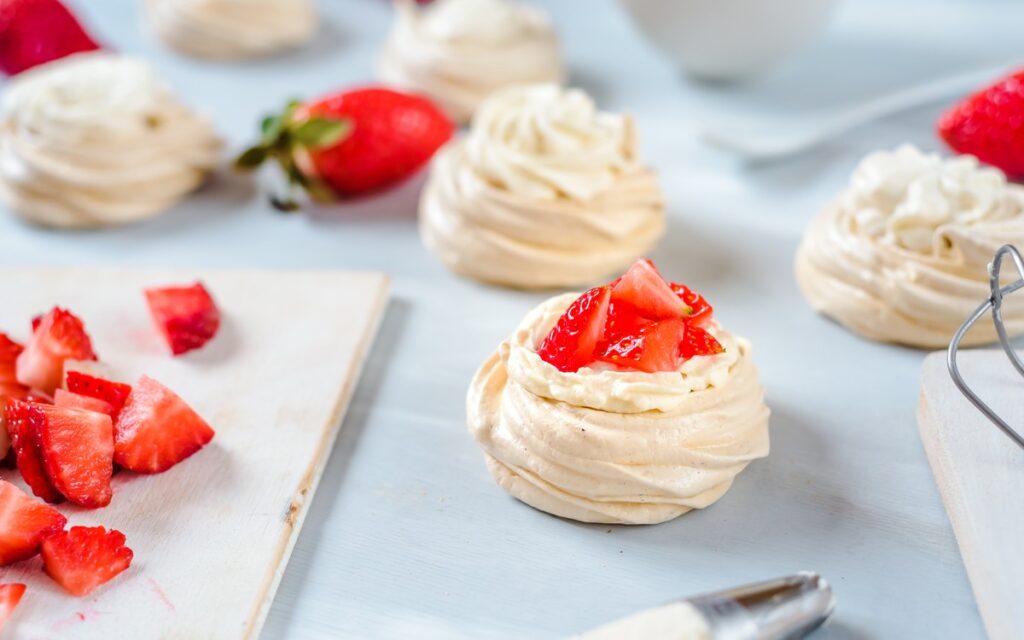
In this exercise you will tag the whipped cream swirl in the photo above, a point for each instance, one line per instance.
(96, 139)
(545, 191)
(902, 255)
(457, 52)
(231, 28)
(616, 446)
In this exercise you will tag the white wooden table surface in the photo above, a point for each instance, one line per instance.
(408, 537)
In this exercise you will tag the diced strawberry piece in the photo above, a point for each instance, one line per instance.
(157, 429)
(655, 347)
(187, 317)
(10, 596)
(84, 558)
(9, 352)
(571, 342)
(64, 398)
(698, 342)
(644, 288)
(27, 452)
(24, 523)
(700, 310)
(9, 386)
(59, 336)
(112, 393)
(78, 451)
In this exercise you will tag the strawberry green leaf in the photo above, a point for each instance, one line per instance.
(271, 127)
(320, 132)
(251, 158)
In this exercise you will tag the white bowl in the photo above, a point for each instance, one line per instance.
(728, 40)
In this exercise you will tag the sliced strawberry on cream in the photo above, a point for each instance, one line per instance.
(10, 596)
(24, 523)
(59, 336)
(156, 429)
(27, 454)
(82, 559)
(187, 317)
(649, 325)
(700, 310)
(698, 342)
(571, 343)
(77, 447)
(644, 288)
(653, 347)
(112, 394)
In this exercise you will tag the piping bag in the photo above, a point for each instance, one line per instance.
(780, 609)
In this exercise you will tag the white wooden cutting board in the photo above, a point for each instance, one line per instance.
(980, 473)
(212, 535)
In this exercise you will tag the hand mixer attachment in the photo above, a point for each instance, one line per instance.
(995, 303)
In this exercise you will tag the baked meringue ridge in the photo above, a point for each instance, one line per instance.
(231, 29)
(902, 255)
(544, 191)
(609, 445)
(97, 139)
(457, 52)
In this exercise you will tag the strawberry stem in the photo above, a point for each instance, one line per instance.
(281, 136)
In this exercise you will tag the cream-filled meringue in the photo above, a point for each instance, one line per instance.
(615, 446)
(97, 139)
(231, 28)
(457, 52)
(902, 255)
(544, 191)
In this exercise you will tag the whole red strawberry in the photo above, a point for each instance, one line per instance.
(990, 125)
(351, 143)
(36, 31)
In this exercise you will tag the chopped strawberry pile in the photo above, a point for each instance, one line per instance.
(64, 440)
(10, 596)
(24, 523)
(58, 337)
(77, 448)
(156, 429)
(639, 322)
(84, 558)
(112, 394)
(187, 317)
(28, 456)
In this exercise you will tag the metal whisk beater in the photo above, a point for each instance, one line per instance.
(995, 303)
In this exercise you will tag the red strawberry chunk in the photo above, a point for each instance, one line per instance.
(10, 596)
(571, 342)
(112, 393)
(60, 336)
(64, 398)
(78, 451)
(24, 523)
(27, 453)
(644, 288)
(187, 317)
(157, 429)
(990, 125)
(84, 558)
(698, 342)
(9, 352)
(654, 347)
(33, 32)
(700, 310)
